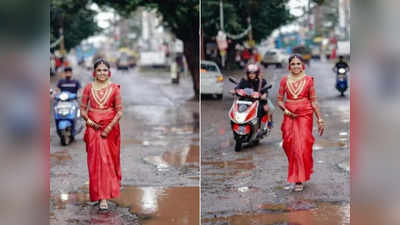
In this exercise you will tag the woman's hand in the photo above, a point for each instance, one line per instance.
(288, 113)
(321, 127)
(105, 132)
(93, 124)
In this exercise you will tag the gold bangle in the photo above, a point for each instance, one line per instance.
(320, 121)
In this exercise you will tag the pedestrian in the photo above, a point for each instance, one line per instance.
(297, 125)
(246, 55)
(101, 107)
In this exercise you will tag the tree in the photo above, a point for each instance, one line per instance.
(181, 17)
(76, 20)
(266, 16)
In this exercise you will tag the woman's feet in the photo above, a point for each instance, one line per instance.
(298, 187)
(103, 204)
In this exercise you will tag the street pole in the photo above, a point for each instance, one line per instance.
(62, 46)
(221, 16)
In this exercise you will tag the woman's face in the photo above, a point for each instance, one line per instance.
(296, 66)
(252, 76)
(102, 72)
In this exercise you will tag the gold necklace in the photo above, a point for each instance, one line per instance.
(101, 100)
(96, 86)
(293, 78)
(293, 90)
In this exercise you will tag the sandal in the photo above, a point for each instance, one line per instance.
(299, 187)
(103, 205)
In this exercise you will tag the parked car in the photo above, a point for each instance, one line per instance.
(277, 57)
(211, 79)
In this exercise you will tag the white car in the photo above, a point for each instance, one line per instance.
(211, 79)
(277, 57)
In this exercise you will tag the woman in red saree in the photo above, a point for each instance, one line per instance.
(297, 125)
(101, 107)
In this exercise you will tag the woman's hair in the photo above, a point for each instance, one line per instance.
(101, 61)
(296, 56)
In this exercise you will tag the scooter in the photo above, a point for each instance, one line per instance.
(341, 80)
(67, 116)
(243, 115)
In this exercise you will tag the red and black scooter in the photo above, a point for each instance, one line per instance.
(243, 115)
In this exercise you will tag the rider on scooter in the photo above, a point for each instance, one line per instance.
(341, 64)
(68, 84)
(252, 80)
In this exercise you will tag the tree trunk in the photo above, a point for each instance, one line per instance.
(191, 51)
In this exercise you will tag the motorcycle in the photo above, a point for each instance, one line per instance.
(243, 115)
(341, 79)
(67, 116)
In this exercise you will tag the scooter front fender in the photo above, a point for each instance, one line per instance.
(63, 124)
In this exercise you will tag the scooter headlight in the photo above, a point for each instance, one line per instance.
(63, 96)
(240, 118)
(63, 111)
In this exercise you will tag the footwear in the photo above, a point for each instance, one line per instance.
(299, 187)
(103, 205)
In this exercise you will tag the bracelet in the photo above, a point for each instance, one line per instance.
(107, 129)
(320, 121)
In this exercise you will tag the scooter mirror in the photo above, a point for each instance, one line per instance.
(233, 80)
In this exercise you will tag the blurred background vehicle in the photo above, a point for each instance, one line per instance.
(123, 62)
(315, 52)
(211, 79)
(304, 51)
(277, 57)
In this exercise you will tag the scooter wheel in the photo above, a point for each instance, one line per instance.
(238, 146)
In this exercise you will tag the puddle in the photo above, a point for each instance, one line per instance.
(188, 157)
(162, 206)
(299, 213)
(242, 164)
(149, 205)
(126, 141)
(60, 157)
(324, 144)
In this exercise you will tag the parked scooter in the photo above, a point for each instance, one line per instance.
(341, 79)
(243, 115)
(67, 116)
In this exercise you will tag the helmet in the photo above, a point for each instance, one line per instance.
(252, 68)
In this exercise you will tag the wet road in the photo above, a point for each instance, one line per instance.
(159, 157)
(250, 187)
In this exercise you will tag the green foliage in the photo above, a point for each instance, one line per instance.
(319, 2)
(76, 19)
(180, 16)
(266, 15)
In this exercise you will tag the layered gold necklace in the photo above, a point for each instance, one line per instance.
(294, 87)
(101, 94)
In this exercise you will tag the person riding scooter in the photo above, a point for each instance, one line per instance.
(67, 83)
(342, 64)
(254, 80)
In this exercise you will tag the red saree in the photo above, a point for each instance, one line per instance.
(103, 154)
(297, 134)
